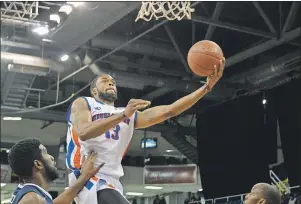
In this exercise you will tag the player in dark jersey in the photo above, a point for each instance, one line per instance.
(36, 168)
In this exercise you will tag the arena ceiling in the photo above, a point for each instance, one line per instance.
(260, 40)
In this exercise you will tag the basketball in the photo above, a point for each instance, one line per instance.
(202, 57)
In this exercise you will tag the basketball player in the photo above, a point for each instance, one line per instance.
(263, 193)
(36, 168)
(95, 124)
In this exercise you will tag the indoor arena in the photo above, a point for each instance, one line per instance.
(150, 102)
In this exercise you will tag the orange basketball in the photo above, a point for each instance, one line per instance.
(202, 57)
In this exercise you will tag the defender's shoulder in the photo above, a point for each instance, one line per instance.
(32, 198)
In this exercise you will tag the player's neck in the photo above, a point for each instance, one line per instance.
(39, 180)
(104, 101)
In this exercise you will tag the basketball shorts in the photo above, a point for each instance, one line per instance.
(89, 193)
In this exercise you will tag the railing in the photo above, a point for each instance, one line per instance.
(228, 198)
(278, 183)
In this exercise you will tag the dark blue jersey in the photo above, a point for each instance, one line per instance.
(21, 190)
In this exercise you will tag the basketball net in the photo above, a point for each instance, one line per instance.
(171, 10)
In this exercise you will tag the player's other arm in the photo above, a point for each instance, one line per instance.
(159, 114)
(84, 126)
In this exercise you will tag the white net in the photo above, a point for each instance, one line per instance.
(171, 10)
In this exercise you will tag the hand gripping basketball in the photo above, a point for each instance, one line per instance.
(134, 105)
(218, 73)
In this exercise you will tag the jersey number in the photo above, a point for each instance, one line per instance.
(114, 133)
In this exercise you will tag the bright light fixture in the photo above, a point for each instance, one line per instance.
(75, 3)
(46, 40)
(12, 118)
(153, 187)
(264, 101)
(55, 17)
(3, 184)
(134, 193)
(169, 150)
(64, 58)
(41, 30)
(66, 8)
(200, 189)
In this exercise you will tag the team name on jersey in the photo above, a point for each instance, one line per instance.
(100, 116)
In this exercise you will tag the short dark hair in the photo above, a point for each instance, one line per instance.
(93, 85)
(22, 155)
(271, 194)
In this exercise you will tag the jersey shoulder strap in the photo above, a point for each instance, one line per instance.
(89, 102)
(21, 192)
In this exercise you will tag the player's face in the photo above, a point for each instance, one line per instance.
(50, 171)
(255, 196)
(106, 87)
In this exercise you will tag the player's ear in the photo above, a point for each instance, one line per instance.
(38, 164)
(94, 92)
(262, 201)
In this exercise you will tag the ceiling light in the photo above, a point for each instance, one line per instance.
(55, 17)
(200, 189)
(134, 194)
(3, 184)
(41, 30)
(64, 58)
(12, 118)
(46, 40)
(75, 3)
(264, 101)
(66, 9)
(169, 150)
(153, 187)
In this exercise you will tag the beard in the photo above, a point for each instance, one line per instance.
(51, 172)
(110, 97)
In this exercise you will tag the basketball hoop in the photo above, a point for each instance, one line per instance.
(171, 10)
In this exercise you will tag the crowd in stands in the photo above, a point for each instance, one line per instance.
(159, 200)
(195, 198)
(293, 198)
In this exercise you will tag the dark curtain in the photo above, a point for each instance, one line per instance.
(286, 103)
(236, 142)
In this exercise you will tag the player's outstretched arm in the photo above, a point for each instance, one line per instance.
(159, 114)
(87, 171)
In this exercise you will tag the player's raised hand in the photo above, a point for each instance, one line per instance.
(88, 169)
(219, 69)
(134, 105)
